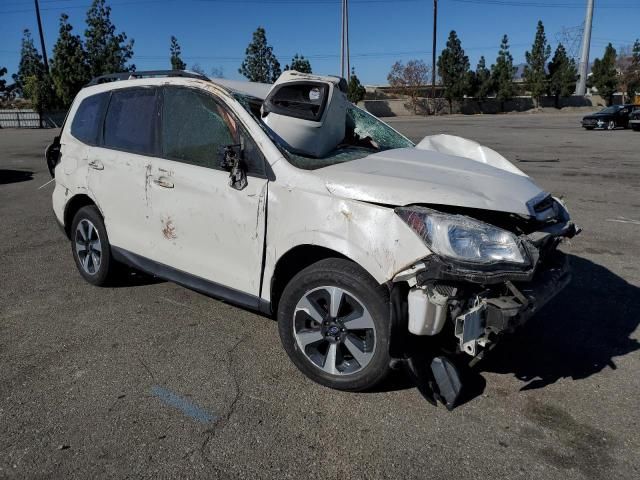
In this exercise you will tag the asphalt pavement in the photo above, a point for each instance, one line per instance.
(151, 380)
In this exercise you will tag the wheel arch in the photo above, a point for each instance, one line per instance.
(76, 202)
(295, 260)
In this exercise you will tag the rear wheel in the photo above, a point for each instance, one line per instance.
(90, 247)
(611, 125)
(333, 323)
(636, 128)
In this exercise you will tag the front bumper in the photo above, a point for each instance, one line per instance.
(492, 316)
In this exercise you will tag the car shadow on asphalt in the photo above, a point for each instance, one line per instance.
(129, 277)
(14, 176)
(577, 335)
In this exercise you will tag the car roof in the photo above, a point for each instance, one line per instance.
(133, 79)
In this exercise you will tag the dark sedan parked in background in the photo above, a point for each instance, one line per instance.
(634, 119)
(611, 117)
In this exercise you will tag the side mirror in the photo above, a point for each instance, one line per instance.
(233, 163)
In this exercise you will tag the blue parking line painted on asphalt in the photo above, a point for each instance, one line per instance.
(182, 404)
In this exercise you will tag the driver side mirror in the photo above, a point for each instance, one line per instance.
(232, 161)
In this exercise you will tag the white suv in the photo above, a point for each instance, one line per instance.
(288, 200)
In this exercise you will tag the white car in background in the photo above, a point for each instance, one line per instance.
(289, 200)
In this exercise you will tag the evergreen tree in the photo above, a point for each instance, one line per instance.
(69, 68)
(30, 63)
(604, 74)
(260, 64)
(482, 85)
(3, 82)
(40, 91)
(107, 51)
(355, 90)
(454, 70)
(633, 72)
(562, 74)
(299, 64)
(175, 51)
(534, 71)
(502, 74)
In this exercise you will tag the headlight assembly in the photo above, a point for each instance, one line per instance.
(462, 238)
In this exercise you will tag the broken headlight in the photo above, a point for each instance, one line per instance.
(462, 238)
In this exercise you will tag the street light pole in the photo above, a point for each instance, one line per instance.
(433, 53)
(584, 54)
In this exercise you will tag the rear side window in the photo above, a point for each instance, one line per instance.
(131, 121)
(88, 118)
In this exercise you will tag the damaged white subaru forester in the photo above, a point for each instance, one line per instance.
(289, 200)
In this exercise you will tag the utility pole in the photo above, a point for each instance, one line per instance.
(44, 50)
(433, 53)
(345, 61)
(581, 88)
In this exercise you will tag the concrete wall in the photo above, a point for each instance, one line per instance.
(469, 106)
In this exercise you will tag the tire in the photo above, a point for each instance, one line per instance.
(360, 324)
(611, 125)
(90, 247)
(635, 128)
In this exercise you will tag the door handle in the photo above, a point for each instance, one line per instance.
(96, 165)
(163, 182)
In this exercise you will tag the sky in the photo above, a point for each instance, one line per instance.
(215, 33)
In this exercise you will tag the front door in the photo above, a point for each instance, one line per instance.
(201, 225)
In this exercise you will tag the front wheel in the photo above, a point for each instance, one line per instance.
(333, 320)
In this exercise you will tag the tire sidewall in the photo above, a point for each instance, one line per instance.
(92, 214)
(371, 295)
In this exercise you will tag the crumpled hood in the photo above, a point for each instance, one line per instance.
(465, 176)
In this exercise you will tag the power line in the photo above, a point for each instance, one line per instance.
(543, 4)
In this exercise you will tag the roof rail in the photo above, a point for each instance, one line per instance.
(112, 77)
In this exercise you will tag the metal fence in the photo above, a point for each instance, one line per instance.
(29, 118)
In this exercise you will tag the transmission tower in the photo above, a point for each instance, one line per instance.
(571, 38)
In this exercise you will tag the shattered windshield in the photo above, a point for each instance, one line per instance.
(365, 135)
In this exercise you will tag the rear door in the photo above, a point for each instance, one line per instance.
(200, 224)
(119, 168)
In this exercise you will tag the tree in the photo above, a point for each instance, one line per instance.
(174, 50)
(69, 68)
(534, 71)
(30, 63)
(454, 70)
(260, 64)
(407, 79)
(217, 72)
(197, 69)
(481, 81)
(502, 74)
(604, 74)
(299, 64)
(107, 51)
(632, 73)
(562, 74)
(3, 83)
(355, 90)
(40, 91)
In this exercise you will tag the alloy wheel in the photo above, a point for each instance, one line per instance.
(88, 246)
(334, 330)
